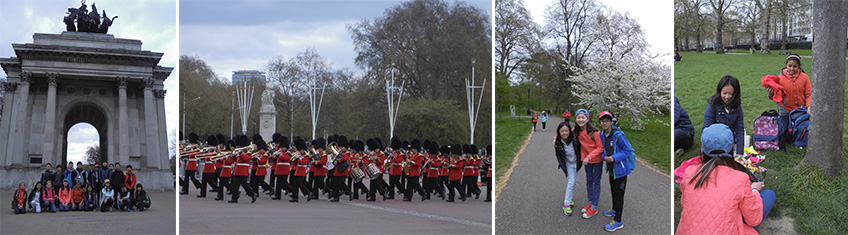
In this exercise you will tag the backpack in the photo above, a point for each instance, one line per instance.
(766, 131)
(799, 126)
(631, 160)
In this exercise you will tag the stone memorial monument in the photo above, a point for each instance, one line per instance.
(88, 76)
(267, 115)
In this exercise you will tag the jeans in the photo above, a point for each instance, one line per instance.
(64, 207)
(35, 204)
(572, 181)
(19, 210)
(769, 198)
(593, 182)
(51, 205)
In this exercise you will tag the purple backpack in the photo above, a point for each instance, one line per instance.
(766, 131)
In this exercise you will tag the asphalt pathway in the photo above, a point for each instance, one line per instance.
(160, 218)
(266, 216)
(531, 200)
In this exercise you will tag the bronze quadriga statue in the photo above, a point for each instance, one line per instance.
(89, 22)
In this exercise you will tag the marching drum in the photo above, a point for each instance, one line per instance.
(374, 171)
(357, 174)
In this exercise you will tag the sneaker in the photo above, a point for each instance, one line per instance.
(589, 213)
(586, 207)
(609, 212)
(678, 153)
(567, 209)
(613, 225)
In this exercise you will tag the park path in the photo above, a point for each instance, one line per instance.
(531, 200)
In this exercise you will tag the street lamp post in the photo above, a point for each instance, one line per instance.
(184, 109)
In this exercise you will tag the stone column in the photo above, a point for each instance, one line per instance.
(123, 123)
(150, 124)
(5, 124)
(20, 150)
(162, 155)
(49, 144)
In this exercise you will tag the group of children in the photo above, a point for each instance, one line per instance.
(107, 188)
(737, 204)
(585, 146)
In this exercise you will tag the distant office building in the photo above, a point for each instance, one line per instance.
(248, 75)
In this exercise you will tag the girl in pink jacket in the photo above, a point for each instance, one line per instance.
(591, 149)
(717, 196)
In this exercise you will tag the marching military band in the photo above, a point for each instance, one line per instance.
(340, 167)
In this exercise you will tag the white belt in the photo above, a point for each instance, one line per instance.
(243, 164)
(491, 169)
(263, 166)
(228, 166)
(433, 168)
(192, 160)
(301, 165)
(283, 163)
(469, 167)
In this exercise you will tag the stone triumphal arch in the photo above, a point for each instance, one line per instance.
(60, 80)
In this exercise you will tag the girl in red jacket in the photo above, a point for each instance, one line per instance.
(796, 89)
(19, 200)
(591, 149)
(65, 196)
(717, 197)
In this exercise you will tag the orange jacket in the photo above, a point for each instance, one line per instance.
(796, 88)
(65, 196)
(77, 194)
(591, 147)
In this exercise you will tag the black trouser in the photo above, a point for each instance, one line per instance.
(189, 174)
(455, 184)
(338, 185)
(394, 183)
(273, 178)
(470, 184)
(617, 187)
(259, 180)
(215, 177)
(431, 184)
(682, 140)
(543, 125)
(317, 183)
(403, 182)
(208, 179)
(412, 184)
(443, 182)
(488, 181)
(376, 186)
(299, 182)
(106, 204)
(223, 182)
(240, 181)
(281, 184)
(358, 187)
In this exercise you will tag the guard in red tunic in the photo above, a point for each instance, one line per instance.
(396, 168)
(317, 171)
(340, 171)
(488, 164)
(241, 172)
(444, 170)
(301, 164)
(472, 170)
(456, 166)
(226, 171)
(415, 161)
(191, 165)
(272, 160)
(434, 163)
(208, 166)
(376, 157)
(282, 166)
(359, 161)
(221, 142)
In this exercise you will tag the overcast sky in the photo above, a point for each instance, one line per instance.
(151, 21)
(232, 35)
(656, 19)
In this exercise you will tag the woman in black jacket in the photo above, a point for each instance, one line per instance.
(568, 154)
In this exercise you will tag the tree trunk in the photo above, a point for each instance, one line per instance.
(828, 90)
(764, 41)
(783, 21)
(699, 46)
(719, 48)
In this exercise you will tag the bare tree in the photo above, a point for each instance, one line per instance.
(750, 20)
(569, 24)
(92, 154)
(828, 89)
(516, 36)
(765, 8)
(618, 35)
(721, 13)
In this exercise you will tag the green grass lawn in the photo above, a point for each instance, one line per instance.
(816, 203)
(652, 142)
(510, 134)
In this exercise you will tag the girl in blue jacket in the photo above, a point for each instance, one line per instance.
(617, 155)
(725, 107)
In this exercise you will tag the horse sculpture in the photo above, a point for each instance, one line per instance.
(89, 22)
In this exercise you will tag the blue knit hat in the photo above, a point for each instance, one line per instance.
(717, 137)
(583, 111)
